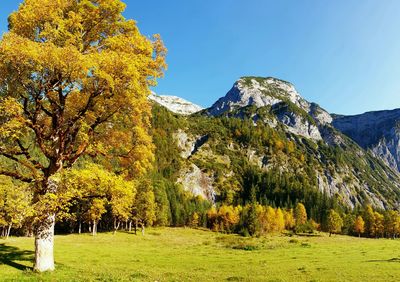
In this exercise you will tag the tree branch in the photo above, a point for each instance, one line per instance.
(16, 176)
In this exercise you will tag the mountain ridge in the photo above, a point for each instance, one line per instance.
(297, 139)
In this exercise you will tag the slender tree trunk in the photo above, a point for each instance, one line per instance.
(44, 244)
(116, 226)
(79, 227)
(94, 229)
(136, 226)
(130, 225)
(143, 229)
(8, 231)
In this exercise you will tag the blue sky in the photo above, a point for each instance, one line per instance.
(342, 54)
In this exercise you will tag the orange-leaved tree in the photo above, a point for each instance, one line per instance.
(74, 80)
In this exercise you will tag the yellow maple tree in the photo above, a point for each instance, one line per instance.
(74, 80)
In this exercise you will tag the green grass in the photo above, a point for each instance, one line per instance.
(167, 254)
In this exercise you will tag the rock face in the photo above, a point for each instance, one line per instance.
(189, 144)
(197, 182)
(175, 104)
(378, 131)
(296, 122)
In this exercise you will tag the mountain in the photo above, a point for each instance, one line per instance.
(377, 131)
(262, 92)
(263, 135)
(175, 104)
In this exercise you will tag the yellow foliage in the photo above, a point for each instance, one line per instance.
(75, 75)
(359, 225)
(289, 219)
(300, 214)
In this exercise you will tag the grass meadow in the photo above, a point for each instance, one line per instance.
(179, 254)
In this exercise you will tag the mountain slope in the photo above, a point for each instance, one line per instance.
(263, 134)
(378, 131)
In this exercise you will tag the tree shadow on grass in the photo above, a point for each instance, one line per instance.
(10, 254)
(385, 260)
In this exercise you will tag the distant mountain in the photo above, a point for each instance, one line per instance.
(175, 104)
(377, 131)
(263, 134)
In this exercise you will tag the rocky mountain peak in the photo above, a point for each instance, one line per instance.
(175, 104)
(258, 91)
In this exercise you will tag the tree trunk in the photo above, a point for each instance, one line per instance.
(116, 226)
(142, 229)
(136, 225)
(80, 227)
(44, 244)
(94, 229)
(130, 225)
(8, 231)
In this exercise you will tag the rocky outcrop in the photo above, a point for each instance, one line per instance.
(197, 182)
(189, 145)
(297, 122)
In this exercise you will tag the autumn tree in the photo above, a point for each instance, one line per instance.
(300, 214)
(369, 218)
(194, 220)
(335, 222)
(289, 219)
(391, 220)
(379, 225)
(359, 225)
(94, 188)
(96, 210)
(145, 205)
(279, 220)
(348, 224)
(74, 77)
(15, 205)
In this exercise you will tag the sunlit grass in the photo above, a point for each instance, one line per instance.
(167, 254)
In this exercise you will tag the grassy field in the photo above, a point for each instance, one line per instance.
(168, 254)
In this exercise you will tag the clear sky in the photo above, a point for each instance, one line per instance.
(342, 54)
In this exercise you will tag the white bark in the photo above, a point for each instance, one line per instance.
(44, 245)
(9, 230)
(94, 229)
